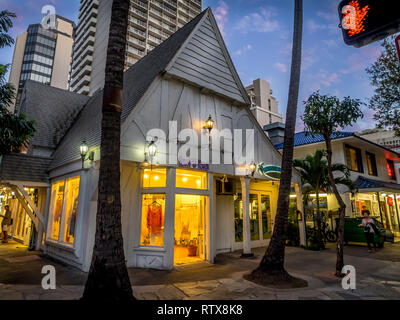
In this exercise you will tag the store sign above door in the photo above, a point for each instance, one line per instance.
(272, 172)
(194, 165)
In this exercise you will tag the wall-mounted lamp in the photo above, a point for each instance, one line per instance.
(209, 124)
(84, 149)
(253, 168)
(150, 152)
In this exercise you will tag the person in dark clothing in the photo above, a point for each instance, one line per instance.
(6, 223)
(369, 232)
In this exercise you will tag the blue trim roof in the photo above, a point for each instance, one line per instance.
(366, 183)
(303, 138)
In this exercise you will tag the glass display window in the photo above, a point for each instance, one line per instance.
(266, 216)
(64, 210)
(57, 194)
(153, 219)
(154, 178)
(71, 198)
(189, 179)
(254, 217)
(237, 204)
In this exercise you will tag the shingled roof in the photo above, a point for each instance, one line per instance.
(54, 111)
(137, 80)
(21, 167)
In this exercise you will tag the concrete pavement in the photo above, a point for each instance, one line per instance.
(378, 277)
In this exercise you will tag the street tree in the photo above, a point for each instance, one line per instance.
(271, 269)
(15, 129)
(385, 77)
(327, 115)
(108, 277)
(315, 179)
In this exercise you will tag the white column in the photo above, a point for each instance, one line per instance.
(245, 182)
(302, 223)
(169, 221)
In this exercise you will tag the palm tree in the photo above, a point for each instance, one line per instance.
(271, 269)
(5, 25)
(314, 176)
(108, 277)
(15, 130)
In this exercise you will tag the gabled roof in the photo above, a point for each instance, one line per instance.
(302, 138)
(54, 111)
(137, 81)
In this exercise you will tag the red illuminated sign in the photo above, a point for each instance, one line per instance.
(354, 17)
(366, 21)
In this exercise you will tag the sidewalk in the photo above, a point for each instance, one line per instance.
(378, 277)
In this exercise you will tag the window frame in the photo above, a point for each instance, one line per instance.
(60, 241)
(358, 158)
(374, 165)
(392, 167)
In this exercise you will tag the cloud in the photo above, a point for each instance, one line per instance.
(282, 67)
(313, 26)
(261, 21)
(221, 15)
(243, 50)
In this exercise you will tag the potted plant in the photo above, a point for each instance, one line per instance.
(192, 248)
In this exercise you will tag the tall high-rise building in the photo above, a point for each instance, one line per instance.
(263, 105)
(43, 55)
(150, 23)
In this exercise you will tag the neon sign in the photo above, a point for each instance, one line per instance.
(354, 18)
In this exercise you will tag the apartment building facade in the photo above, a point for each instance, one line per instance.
(150, 23)
(263, 105)
(43, 55)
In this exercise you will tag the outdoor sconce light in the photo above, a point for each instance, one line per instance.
(152, 150)
(84, 149)
(253, 168)
(209, 124)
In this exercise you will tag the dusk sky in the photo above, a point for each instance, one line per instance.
(258, 34)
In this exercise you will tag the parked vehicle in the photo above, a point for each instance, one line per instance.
(354, 233)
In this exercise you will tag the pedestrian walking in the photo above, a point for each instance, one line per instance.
(6, 223)
(369, 231)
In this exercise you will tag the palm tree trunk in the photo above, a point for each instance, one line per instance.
(342, 209)
(272, 264)
(108, 277)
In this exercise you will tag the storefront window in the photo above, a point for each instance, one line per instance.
(254, 217)
(57, 192)
(154, 178)
(153, 213)
(191, 179)
(266, 216)
(238, 218)
(64, 210)
(72, 187)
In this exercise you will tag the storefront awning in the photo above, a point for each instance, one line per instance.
(366, 184)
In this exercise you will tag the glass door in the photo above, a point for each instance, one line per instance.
(189, 235)
(266, 216)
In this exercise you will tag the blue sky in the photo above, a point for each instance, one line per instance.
(258, 34)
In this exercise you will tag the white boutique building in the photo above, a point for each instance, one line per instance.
(172, 214)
